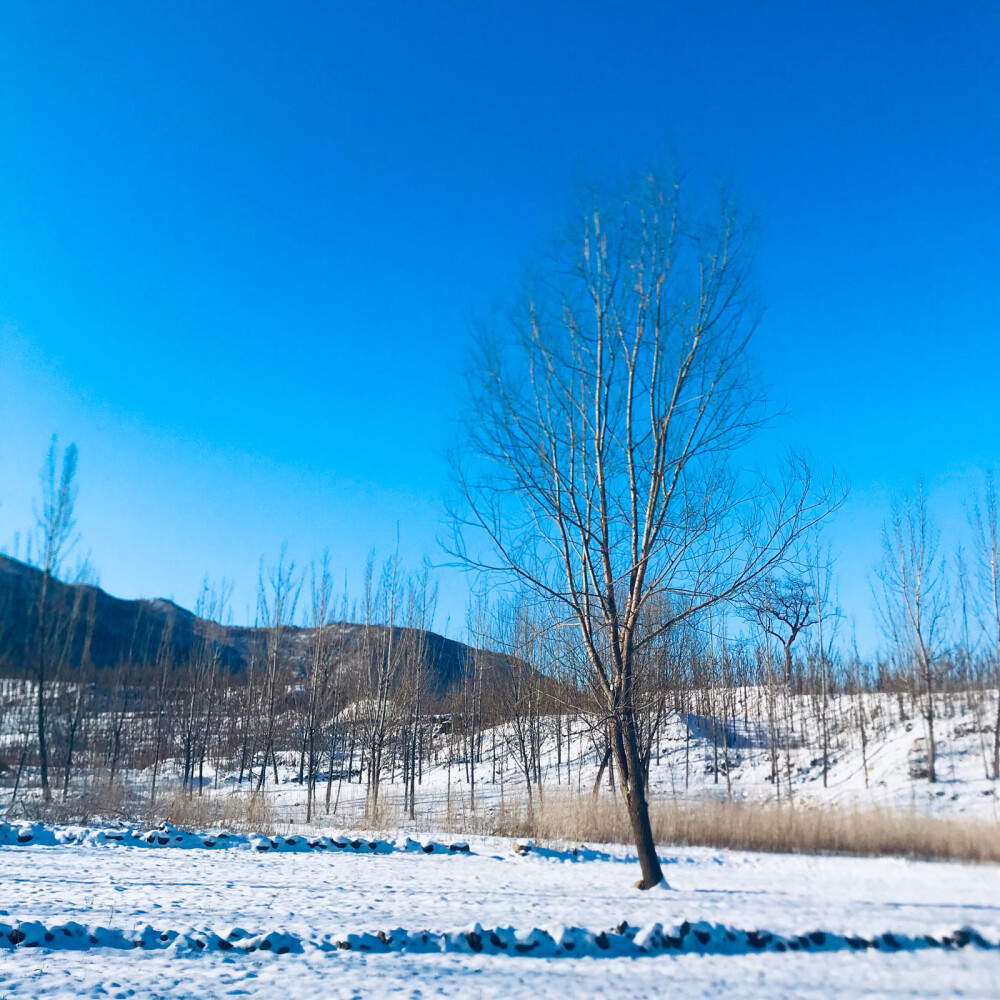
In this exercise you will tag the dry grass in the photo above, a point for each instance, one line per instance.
(757, 827)
(562, 818)
(112, 802)
(100, 801)
(246, 813)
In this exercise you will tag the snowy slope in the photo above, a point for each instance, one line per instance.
(692, 761)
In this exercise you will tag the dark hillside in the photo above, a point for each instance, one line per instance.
(133, 630)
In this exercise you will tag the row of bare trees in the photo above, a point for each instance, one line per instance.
(930, 611)
(313, 708)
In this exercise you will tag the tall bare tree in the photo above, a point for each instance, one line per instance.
(276, 599)
(912, 599)
(821, 574)
(985, 520)
(319, 676)
(606, 411)
(55, 525)
(518, 631)
(421, 607)
(382, 657)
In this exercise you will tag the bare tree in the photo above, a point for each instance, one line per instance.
(320, 675)
(204, 674)
(164, 667)
(821, 571)
(605, 416)
(518, 631)
(386, 650)
(79, 691)
(421, 607)
(472, 689)
(55, 524)
(985, 520)
(277, 598)
(912, 598)
(783, 606)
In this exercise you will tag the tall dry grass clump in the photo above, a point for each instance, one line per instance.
(247, 813)
(758, 827)
(115, 803)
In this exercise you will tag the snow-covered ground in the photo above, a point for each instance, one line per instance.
(167, 914)
(112, 920)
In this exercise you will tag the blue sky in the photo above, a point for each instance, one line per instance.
(240, 246)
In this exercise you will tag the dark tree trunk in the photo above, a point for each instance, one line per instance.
(605, 760)
(931, 748)
(996, 736)
(43, 752)
(633, 783)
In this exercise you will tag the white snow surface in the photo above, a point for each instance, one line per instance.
(132, 916)
(97, 897)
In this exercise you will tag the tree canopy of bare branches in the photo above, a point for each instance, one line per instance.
(606, 415)
(783, 606)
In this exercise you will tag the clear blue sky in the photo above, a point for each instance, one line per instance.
(240, 245)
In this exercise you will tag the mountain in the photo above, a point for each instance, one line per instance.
(133, 630)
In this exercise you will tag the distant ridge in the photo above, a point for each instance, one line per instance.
(133, 630)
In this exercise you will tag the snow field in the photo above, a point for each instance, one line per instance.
(134, 921)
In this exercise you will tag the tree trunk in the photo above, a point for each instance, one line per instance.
(43, 753)
(931, 748)
(996, 736)
(600, 771)
(632, 781)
